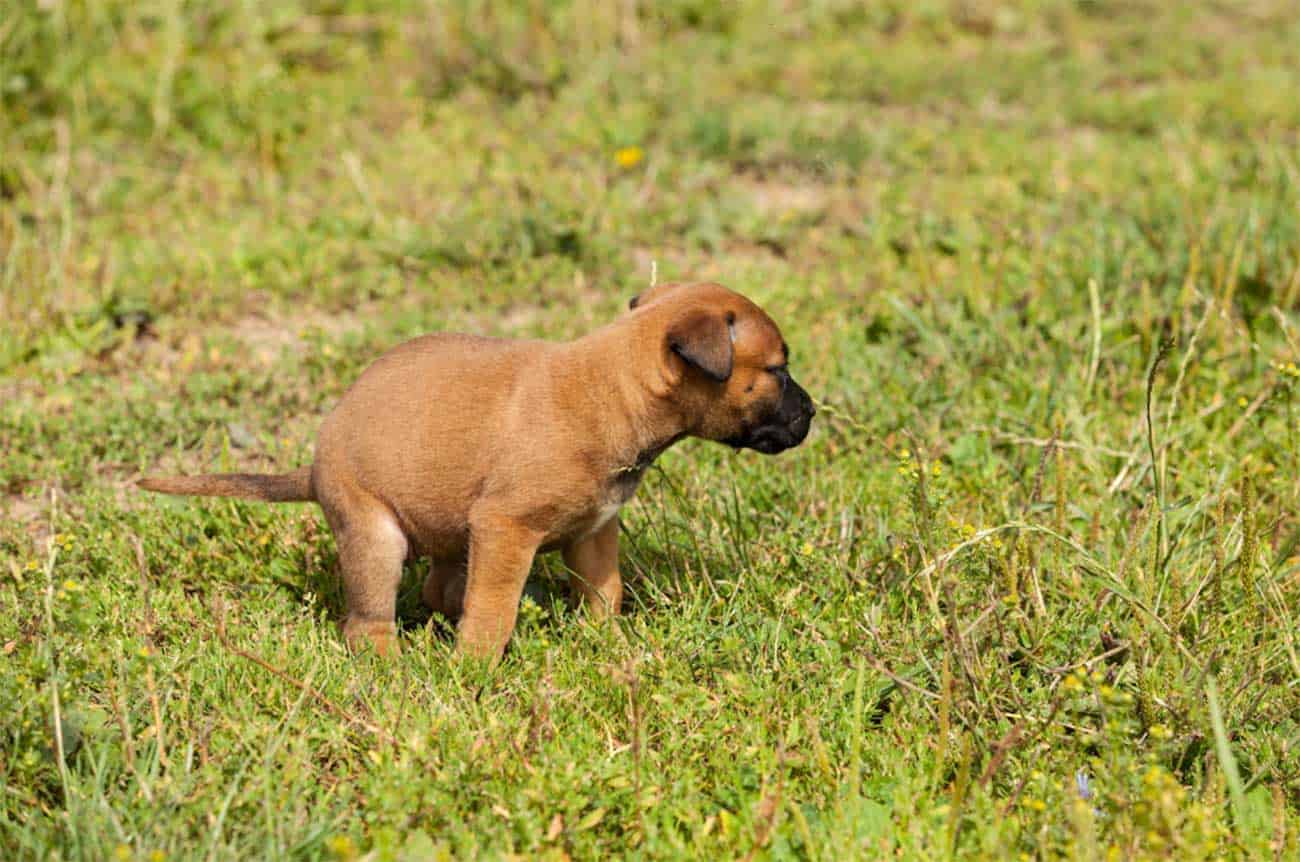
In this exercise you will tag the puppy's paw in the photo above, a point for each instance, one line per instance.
(378, 635)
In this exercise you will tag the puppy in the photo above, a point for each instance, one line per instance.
(480, 453)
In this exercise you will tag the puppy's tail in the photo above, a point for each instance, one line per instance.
(292, 487)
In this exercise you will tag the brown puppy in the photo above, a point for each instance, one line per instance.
(480, 453)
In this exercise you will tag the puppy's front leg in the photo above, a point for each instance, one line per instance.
(596, 583)
(501, 552)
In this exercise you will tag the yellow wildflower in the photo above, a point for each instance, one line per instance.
(342, 847)
(629, 157)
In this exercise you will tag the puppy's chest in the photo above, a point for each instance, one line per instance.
(617, 491)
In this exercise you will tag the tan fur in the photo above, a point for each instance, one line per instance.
(292, 487)
(479, 453)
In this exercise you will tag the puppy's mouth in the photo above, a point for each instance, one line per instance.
(774, 438)
(783, 428)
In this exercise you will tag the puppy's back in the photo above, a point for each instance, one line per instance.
(416, 427)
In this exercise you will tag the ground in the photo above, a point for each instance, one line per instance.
(1028, 591)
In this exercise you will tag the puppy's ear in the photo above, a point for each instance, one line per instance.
(654, 293)
(702, 339)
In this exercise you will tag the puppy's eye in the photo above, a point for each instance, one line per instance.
(778, 370)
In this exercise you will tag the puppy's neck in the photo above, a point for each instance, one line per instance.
(644, 459)
(641, 420)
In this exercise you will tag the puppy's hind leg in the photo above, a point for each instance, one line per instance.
(372, 548)
(444, 588)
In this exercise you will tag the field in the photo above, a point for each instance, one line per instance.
(1030, 590)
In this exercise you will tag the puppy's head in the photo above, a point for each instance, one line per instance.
(727, 366)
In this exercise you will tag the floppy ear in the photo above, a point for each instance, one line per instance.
(702, 339)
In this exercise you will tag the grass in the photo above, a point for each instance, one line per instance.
(1028, 591)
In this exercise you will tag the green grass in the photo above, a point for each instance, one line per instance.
(1038, 261)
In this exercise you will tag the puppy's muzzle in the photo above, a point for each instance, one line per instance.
(783, 428)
